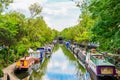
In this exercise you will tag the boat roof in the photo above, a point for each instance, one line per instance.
(100, 62)
(35, 52)
(26, 58)
(103, 63)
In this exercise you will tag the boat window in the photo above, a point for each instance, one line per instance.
(98, 56)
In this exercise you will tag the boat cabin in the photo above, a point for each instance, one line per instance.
(24, 63)
(100, 66)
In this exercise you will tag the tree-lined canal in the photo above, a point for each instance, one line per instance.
(62, 65)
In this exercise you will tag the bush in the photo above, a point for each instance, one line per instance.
(1, 73)
(5, 65)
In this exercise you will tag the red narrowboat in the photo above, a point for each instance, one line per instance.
(24, 63)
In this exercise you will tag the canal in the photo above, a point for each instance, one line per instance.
(62, 65)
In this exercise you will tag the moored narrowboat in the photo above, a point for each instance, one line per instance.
(48, 50)
(35, 55)
(100, 67)
(24, 64)
(82, 55)
(42, 51)
(72, 47)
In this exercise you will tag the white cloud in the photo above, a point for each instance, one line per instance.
(58, 8)
(58, 15)
(23, 5)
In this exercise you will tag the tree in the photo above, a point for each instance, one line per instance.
(11, 30)
(35, 9)
(4, 4)
(82, 31)
(18, 33)
(106, 28)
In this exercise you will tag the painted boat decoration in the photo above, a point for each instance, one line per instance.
(99, 66)
(24, 64)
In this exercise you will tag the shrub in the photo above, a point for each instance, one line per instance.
(1, 73)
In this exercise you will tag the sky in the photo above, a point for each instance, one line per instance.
(58, 14)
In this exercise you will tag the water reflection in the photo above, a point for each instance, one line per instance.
(59, 68)
(62, 65)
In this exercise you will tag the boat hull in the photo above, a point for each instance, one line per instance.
(95, 76)
(82, 57)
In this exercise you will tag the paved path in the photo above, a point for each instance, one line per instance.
(10, 71)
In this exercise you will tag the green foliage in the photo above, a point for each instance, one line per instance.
(99, 22)
(18, 34)
(80, 32)
(4, 56)
(5, 3)
(1, 73)
(10, 28)
(106, 28)
(35, 9)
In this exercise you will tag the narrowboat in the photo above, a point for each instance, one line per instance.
(76, 51)
(82, 55)
(48, 50)
(24, 64)
(72, 47)
(35, 55)
(67, 44)
(42, 51)
(54, 42)
(100, 67)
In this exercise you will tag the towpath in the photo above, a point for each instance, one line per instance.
(10, 71)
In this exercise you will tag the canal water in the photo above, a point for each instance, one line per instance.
(62, 65)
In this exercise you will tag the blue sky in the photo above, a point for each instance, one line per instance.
(58, 14)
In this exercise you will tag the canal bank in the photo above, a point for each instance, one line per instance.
(9, 71)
